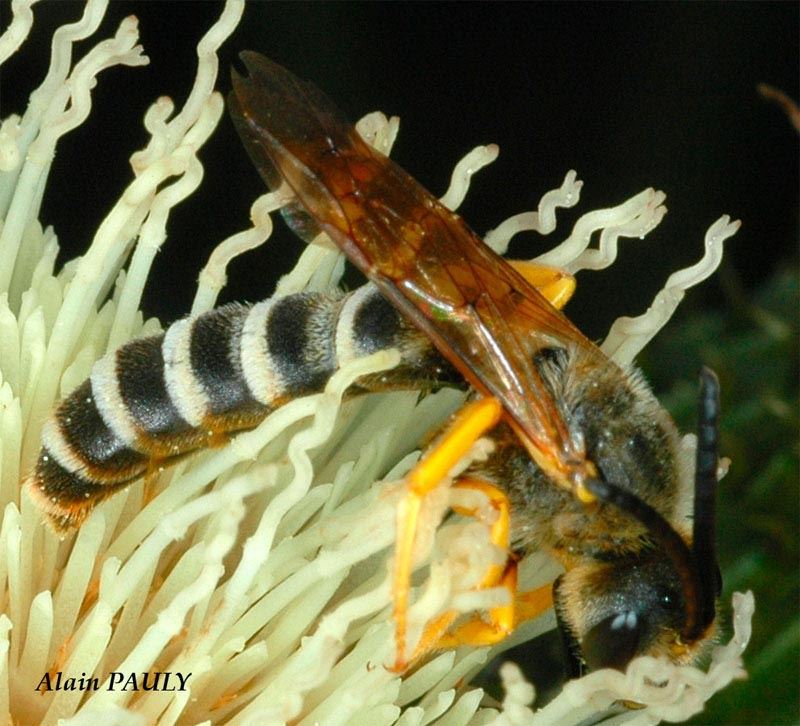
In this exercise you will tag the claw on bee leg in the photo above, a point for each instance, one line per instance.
(468, 425)
(555, 284)
(583, 494)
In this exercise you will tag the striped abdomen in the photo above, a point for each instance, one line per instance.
(156, 399)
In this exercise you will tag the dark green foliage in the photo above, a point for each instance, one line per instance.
(754, 350)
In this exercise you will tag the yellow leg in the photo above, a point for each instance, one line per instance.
(532, 604)
(499, 623)
(468, 425)
(499, 534)
(435, 634)
(502, 620)
(150, 487)
(555, 284)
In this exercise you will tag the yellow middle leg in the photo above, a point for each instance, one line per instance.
(468, 425)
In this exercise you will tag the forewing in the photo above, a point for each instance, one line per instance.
(480, 313)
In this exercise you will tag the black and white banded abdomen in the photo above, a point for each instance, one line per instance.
(156, 399)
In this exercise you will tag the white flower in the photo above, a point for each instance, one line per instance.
(259, 568)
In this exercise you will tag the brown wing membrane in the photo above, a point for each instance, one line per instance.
(484, 317)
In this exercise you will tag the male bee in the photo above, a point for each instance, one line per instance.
(585, 460)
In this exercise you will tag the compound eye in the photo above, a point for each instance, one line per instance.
(613, 642)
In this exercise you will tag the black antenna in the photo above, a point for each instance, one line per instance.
(705, 489)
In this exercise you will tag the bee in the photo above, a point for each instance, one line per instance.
(585, 462)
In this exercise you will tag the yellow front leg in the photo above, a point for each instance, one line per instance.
(502, 620)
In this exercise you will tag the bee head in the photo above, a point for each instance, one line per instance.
(662, 599)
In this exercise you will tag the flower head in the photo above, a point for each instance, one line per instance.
(260, 568)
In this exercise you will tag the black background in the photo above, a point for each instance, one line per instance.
(629, 95)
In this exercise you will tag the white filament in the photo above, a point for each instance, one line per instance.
(628, 336)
